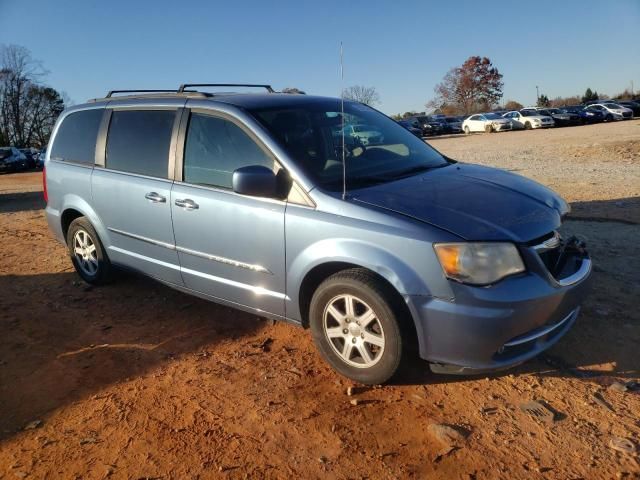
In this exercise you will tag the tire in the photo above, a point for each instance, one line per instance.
(466, 130)
(87, 253)
(608, 118)
(527, 126)
(366, 353)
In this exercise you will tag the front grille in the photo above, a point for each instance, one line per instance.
(562, 258)
(550, 259)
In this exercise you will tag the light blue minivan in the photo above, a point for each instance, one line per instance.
(260, 202)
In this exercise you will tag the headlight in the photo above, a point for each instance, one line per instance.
(478, 263)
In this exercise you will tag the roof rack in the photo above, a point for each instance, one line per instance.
(111, 92)
(187, 85)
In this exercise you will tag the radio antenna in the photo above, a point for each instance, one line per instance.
(344, 165)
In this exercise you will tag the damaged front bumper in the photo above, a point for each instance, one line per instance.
(497, 327)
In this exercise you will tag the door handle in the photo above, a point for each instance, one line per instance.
(155, 197)
(187, 204)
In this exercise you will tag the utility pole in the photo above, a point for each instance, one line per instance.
(537, 96)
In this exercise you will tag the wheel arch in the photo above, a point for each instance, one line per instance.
(321, 272)
(314, 265)
(76, 207)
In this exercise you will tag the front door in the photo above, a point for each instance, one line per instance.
(230, 246)
(132, 193)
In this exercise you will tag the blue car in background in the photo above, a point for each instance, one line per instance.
(253, 201)
(586, 116)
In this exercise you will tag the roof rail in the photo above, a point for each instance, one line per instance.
(111, 92)
(187, 85)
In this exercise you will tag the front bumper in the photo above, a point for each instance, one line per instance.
(497, 327)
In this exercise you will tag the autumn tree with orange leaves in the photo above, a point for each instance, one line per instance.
(474, 86)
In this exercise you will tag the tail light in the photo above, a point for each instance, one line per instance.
(44, 184)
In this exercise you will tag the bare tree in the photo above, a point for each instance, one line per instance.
(362, 94)
(28, 109)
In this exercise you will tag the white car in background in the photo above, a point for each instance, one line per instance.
(528, 119)
(485, 122)
(611, 111)
(366, 134)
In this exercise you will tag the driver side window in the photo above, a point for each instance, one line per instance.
(215, 147)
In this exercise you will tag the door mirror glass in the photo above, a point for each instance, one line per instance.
(257, 181)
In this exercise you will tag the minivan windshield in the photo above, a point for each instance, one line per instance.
(376, 150)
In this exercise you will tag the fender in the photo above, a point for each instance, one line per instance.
(367, 255)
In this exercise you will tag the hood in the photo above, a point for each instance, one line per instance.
(472, 202)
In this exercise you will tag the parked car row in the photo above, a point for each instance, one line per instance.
(14, 159)
(431, 125)
(527, 118)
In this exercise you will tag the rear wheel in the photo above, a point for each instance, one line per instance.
(609, 117)
(356, 327)
(87, 253)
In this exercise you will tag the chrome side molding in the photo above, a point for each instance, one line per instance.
(226, 261)
(213, 258)
(170, 246)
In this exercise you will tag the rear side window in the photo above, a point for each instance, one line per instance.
(76, 137)
(138, 141)
(215, 148)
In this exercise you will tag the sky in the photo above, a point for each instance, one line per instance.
(402, 48)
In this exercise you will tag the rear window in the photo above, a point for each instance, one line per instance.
(138, 141)
(76, 137)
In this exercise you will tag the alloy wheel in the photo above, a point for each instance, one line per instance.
(354, 331)
(84, 250)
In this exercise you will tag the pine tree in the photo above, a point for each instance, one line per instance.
(543, 101)
(589, 95)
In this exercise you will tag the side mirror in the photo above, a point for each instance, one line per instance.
(260, 181)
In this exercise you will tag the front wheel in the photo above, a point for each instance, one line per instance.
(466, 130)
(87, 253)
(609, 118)
(355, 325)
(527, 126)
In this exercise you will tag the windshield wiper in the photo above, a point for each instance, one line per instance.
(417, 169)
(367, 180)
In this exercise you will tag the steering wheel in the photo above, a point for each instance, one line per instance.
(351, 149)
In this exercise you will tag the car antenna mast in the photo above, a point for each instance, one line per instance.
(344, 165)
